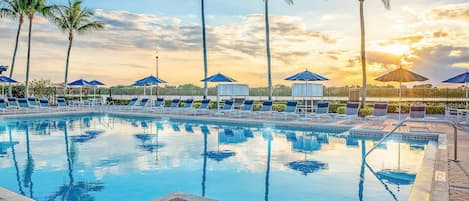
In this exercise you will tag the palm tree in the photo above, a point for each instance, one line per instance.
(204, 43)
(267, 37)
(387, 5)
(14, 9)
(34, 7)
(73, 19)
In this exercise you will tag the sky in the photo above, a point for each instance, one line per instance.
(427, 36)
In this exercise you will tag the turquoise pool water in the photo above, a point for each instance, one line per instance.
(100, 157)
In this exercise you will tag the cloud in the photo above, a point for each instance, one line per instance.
(459, 12)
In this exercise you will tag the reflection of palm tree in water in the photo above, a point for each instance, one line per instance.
(267, 172)
(15, 162)
(205, 164)
(29, 168)
(74, 190)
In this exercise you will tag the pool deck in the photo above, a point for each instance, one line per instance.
(450, 179)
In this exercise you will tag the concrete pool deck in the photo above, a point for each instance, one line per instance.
(450, 179)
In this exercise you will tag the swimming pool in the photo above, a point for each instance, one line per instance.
(102, 157)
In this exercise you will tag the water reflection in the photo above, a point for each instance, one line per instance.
(306, 143)
(265, 160)
(74, 191)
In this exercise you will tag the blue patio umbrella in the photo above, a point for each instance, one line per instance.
(95, 83)
(5, 79)
(461, 79)
(79, 83)
(217, 78)
(306, 76)
(148, 81)
(3, 69)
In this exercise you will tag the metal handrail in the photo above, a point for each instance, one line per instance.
(420, 121)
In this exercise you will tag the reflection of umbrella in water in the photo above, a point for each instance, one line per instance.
(146, 143)
(74, 190)
(397, 176)
(306, 144)
(220, 155)
(232, 136)
(87, 136)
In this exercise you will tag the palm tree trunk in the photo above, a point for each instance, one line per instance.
(10, 90)
(204, 41)
(363, 56)
(28, 60)
(70, 42)
(267, 40)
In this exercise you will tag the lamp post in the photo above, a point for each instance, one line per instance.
(157, 56)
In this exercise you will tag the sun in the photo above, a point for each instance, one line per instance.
(396, 49)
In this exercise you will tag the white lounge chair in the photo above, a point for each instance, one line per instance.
(158, 104)
(290, 110)
(351, 112)
(322, 110)
(12, 103)
(380, 112)
(246, 109)
(203, 108)
(265, 110)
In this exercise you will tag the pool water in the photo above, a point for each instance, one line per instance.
(101, 157)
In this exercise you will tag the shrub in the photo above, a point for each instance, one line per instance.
(367, 111)
(334, 107)
(340, 109)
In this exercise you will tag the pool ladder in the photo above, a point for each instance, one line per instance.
(402, 123)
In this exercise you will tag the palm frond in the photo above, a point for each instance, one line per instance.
(7, 13)
(73, 18)
(387, 4)
(92, 26)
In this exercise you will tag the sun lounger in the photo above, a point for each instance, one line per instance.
(62, 104)
(246, 109)
(203, 108)
(32, 101)
(13, 103)
(380, 111)
(3, 105)
(265, 110)
(290, 110)
(129, 106)
(351, 112)
(141, 105)
(44, 103)
(187, 106)
(322, 110)
(158, 104)
(417, 112)
(452, 114)
(174, 105)
(227, 108)
(23, 104)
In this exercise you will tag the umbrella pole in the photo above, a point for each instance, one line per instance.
(467, 100)
(400, 99)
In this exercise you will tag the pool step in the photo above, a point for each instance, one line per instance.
(179, 196)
